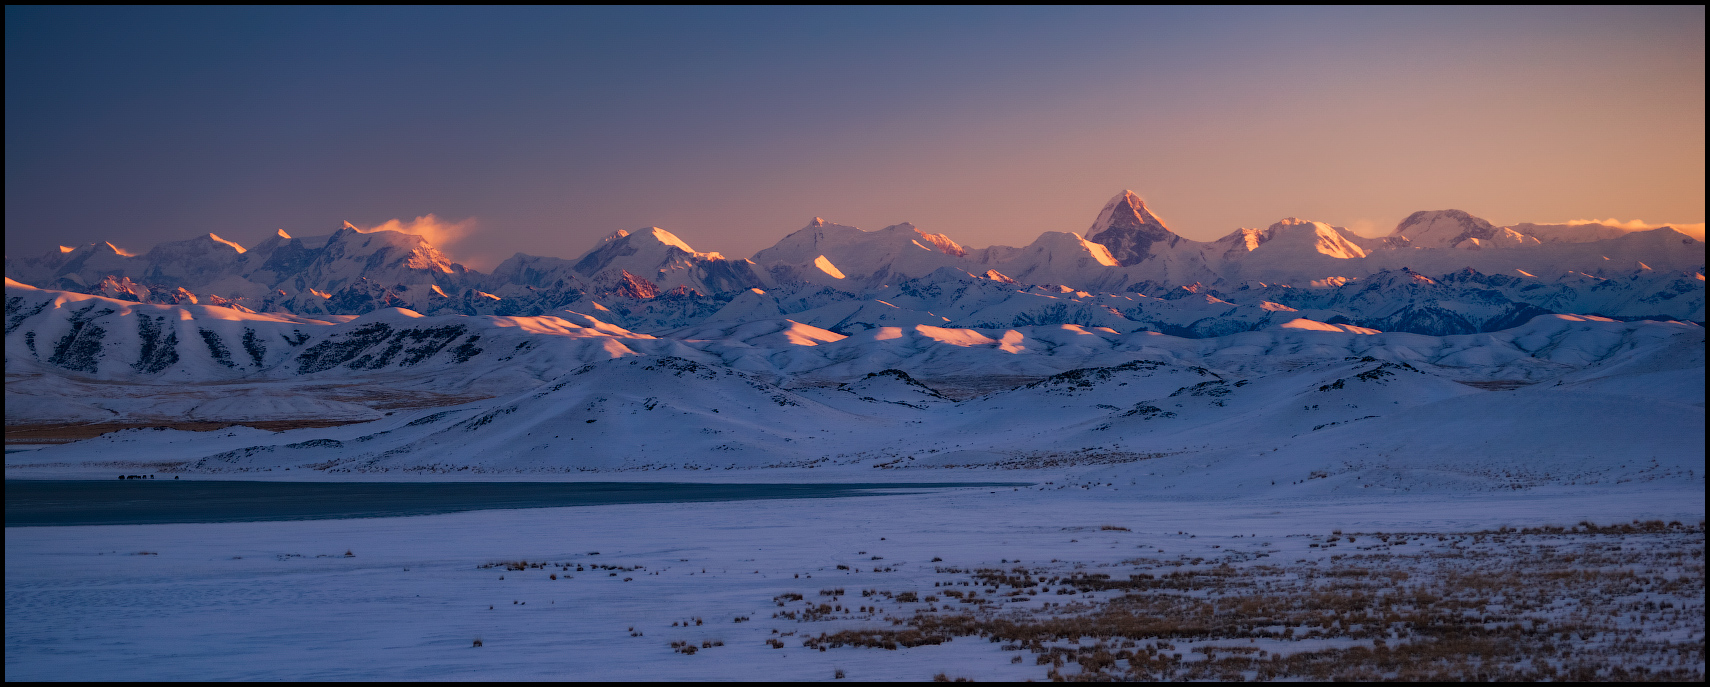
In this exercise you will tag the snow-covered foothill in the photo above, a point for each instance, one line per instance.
(574, 395)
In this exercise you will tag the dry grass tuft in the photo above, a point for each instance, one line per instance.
(1615, 602)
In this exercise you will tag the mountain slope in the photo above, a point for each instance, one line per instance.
(1288, 410)
(1130, 231)
(90, 358)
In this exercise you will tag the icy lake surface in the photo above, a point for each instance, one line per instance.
(126, 502)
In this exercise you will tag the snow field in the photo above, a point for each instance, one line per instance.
(1311, 421)
(1249, 475)
(280, 600)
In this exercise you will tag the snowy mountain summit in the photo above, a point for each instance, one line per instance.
(1456, 229)
(1128, 272)
(840, 347)
(1129, 230)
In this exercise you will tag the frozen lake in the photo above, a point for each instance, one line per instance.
(35, 503)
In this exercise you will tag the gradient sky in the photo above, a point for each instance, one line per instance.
(540, 130)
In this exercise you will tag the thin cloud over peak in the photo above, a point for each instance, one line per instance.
(438, 232)
(442, 234)
(1695, 230)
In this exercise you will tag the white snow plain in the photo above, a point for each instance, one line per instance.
(1144, 454)
(281, 601)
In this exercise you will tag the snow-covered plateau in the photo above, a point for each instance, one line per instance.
(1073, 578)
(1460, 451)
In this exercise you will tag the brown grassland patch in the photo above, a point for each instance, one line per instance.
(1622, 602)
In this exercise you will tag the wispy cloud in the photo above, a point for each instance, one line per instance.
(1694, 230)
(442, 234)
(438, 232)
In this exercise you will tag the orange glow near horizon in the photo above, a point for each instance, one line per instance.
(739, 125)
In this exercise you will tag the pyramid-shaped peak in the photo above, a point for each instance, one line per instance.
(1129, 229)
(1126, 211)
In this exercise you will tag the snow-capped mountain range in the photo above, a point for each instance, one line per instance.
(1567, 395)
(865, 336)
(1439, 272)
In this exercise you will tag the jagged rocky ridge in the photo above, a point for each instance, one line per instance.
(1439, 273)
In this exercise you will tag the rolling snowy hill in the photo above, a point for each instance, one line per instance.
(571, 394)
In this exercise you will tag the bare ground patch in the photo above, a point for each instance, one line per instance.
(1622, 602)
(1026, 460)
(67, 433)
(1498, 385)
